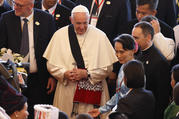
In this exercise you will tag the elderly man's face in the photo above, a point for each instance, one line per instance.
(23, 8)
(80, 21)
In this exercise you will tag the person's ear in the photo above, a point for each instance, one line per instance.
(16, 113)
(154, 12)
(71, 19)
(149, 37)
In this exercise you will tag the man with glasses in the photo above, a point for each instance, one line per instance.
(27, 31)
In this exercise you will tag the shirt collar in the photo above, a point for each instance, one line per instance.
(147, 47)
(51, 10)
(29, 17)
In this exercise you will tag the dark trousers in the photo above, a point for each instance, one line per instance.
(36, 93)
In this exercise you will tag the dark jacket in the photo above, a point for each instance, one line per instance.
(157, 73)
(137, 104)
(61, 15)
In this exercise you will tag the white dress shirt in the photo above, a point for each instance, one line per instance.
(31, 55)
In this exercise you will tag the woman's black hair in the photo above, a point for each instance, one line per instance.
(175, 71)
(126, 40)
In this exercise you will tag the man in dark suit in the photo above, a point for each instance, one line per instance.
(112, 14)
(166, 11)
(40, 30)
(145, 8)
(60, 12)
(4, 6)
(138, 103)
(156, 66)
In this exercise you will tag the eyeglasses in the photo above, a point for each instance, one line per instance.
(17, 4)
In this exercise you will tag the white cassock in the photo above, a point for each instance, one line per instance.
(98, 55)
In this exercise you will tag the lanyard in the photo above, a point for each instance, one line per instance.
(98, 5)
(53, 12)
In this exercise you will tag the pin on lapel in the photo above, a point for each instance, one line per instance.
(108, 2)
(37, 23)
(147, 62)
(57, 16)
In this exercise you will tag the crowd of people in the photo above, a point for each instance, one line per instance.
(116, 59)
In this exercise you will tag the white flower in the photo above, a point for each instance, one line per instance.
(20, 59)
(3, 50)
(16, 55)
(9, 51)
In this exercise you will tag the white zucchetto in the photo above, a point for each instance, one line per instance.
(80, 8)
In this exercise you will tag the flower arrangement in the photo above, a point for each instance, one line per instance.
(7, 54)
(15, 57)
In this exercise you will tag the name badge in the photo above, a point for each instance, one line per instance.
(94, 19)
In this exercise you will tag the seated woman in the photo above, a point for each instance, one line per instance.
(14, 103)
(125, 48)
(138, 103)
(173, 108)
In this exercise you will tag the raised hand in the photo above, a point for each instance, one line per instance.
(94, 112)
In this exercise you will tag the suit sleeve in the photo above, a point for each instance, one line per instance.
(162, 88)
(3, 35)
(165, 45)
(124, 14)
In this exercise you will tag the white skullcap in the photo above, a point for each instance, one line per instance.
(80, 8)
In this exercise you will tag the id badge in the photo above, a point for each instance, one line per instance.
(94, 20)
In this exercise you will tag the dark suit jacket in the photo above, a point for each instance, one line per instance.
(138, 104)
(157, 78)
(61, 11)
(166, 11)
(10, 37)
(166, 30)
(68, 3)
(5, 7)
(112, 16)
